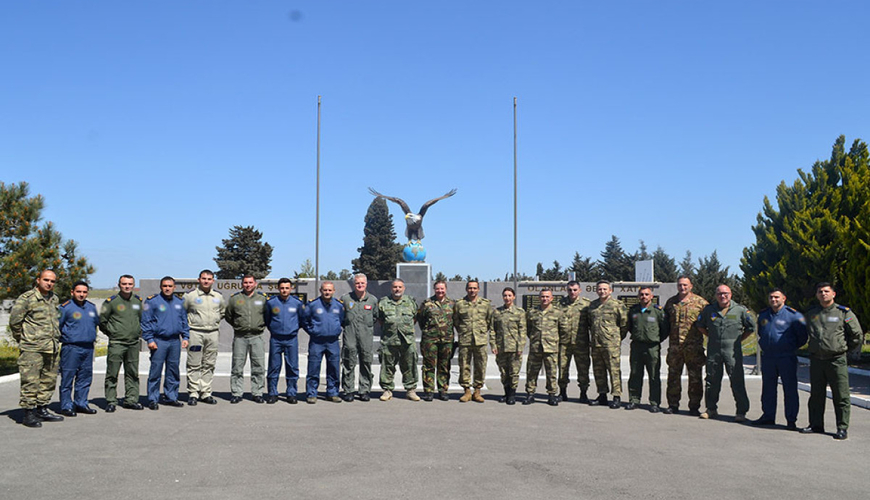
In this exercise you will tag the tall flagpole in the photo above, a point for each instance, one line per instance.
(317, 210)
(515, 195)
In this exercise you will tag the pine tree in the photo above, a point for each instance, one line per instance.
(615, 264)
(243, 253)
(665, 266)
(710, 274)
(584, 269)
(306, 271)
(687, 267)
(26, 248)
(380, 253)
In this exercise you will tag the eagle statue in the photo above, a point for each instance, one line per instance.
(414, 229)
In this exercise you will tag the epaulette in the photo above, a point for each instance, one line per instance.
(65, 303)
(137, 297)
(340, 301)
(657, 307)
(151, 296)
(261, 293)
(233, 295)
(789, 308)
(110, 298)
(843, 308)
(766, 309)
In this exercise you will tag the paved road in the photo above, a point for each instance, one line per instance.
(438, 450)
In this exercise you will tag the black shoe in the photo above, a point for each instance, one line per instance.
(563, 393)
(529, 399)
(791, 426)
(553, 400)
(584, 399)
(511, 397)
(347, 397)
(45, 416)
(841, 435)
(236, 400)
(365, 397)
(616, 403)
(132, 406)
(600, 400)
(427, 396)
(87, 410)
(110, 408)
(292, 400)
(153, 405)
(630, 405)
(670, 410)
(30, 418)
(763, 421)
(192, 401)
(813, 430)
(270, 400)
(443, 396)
(210, 400)
(654, 408)
(176, 404)
(502, 399)
(257, 399)
(694, 412)
(68, 413)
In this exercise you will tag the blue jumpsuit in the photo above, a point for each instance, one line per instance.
(283, 319)
(323, 323)
(164, 322)
(78, 332)
(780, 334)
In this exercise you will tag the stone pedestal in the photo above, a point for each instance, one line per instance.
(418, 279)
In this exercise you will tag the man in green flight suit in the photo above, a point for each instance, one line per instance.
(648, 327)
(360, 312)
(120, 317)
(435, 318)
(396, 315)
(833, 330)
(245, 312)
(725, 324)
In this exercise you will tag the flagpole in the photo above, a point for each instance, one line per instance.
(317, 210)
(515, 196)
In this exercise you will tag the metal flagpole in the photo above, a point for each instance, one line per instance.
(515, 195)
(317, 211)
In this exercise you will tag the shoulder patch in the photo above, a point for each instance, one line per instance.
(843, 308)
(65, 303)
(151, 296)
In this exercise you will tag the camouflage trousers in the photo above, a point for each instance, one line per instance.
(467, 354)
(436, 361)
(693, 357)
(580, 354)
(403, 355)
(38, 372)
(605, 361)
(533, 367)
(509, 364)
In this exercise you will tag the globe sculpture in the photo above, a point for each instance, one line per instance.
(413, 251)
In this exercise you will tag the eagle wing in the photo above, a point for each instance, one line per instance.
(398, 201)
(435, 200)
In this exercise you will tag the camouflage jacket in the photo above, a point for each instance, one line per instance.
(572, 325)
(680, 316)
(543, 328)
(397, 320)
(509, 326)
(435, 318)
(607, 322)
(473, 321)
(34, 322)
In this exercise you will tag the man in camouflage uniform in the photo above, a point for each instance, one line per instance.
(435, 318)
(509, 327)
(607, 324)
(725, 324)
(542, 324)
(685, 347)
(360, 311)
(472, 317)
(833, 331)
(574, 341)
(34, 325)
(396, 315)
(205, 308)
(246, 314)
(648, 328)
(120, 317)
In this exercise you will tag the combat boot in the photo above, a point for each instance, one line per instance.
(466, 397)
(616, 403)
(552, 400)
(476, 397)
(530, 398)
(584, 399)
(511, 397)
(563, 393)
(602, 400)
(30, 418)
(45, 416)
(412, 395)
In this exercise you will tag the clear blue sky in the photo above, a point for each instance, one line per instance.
(153, 127)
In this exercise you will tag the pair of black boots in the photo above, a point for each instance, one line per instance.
(34, 417)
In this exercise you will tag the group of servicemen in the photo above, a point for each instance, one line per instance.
(573, 329)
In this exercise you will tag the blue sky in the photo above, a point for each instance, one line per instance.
(152, 128)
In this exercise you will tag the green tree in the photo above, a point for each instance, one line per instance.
(709, 275)
(457, 277)
(687, 267)
(344, 274)
(584, 269)
(642, 252)
(243, 253)
(665, 266)
(555, 273)
(615, 264)
(26, 248)
(439, 276)
(330, 276)
(380, 253)
(305, 271)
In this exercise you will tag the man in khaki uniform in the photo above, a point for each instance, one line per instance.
(205, 309)
(472, 318)
(685, 347)
(542, 324)
(574, 341)
(608, 325)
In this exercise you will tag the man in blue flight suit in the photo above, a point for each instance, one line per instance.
(165, 330)
(283, 315)
(323, 318)
(78, 332)
(781, 331)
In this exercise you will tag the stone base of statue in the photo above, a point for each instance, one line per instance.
(418, 279)
(414, 251)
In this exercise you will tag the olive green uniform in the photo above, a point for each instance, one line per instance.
(119, 321)
(648, 328)
(204, 314)
(542, 326)
(725, 329)
(398, 344)
(246, 315)
(573, 342)
(34, 325)
(435, 318)
(833, 331)
(607, 324)
(509, 325)
(357, 339)
(685, 347)
(473, 322)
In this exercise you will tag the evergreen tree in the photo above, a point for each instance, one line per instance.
(457, 277)
(306, 271)
(615, 264)
(584, 269)
(344, 275)
(439, 276)
(26, 248)
(710, 274)
(329, 276)
(642, 253)
(687, 267)
(243, 253)
(380, 253)
(665, 266)
(555, 273)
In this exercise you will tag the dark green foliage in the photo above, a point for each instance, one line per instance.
(555, 273)
(615, 264)
(665, 266)
(243, 253)
(380, 253)
(584, 269)
(687, 267)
